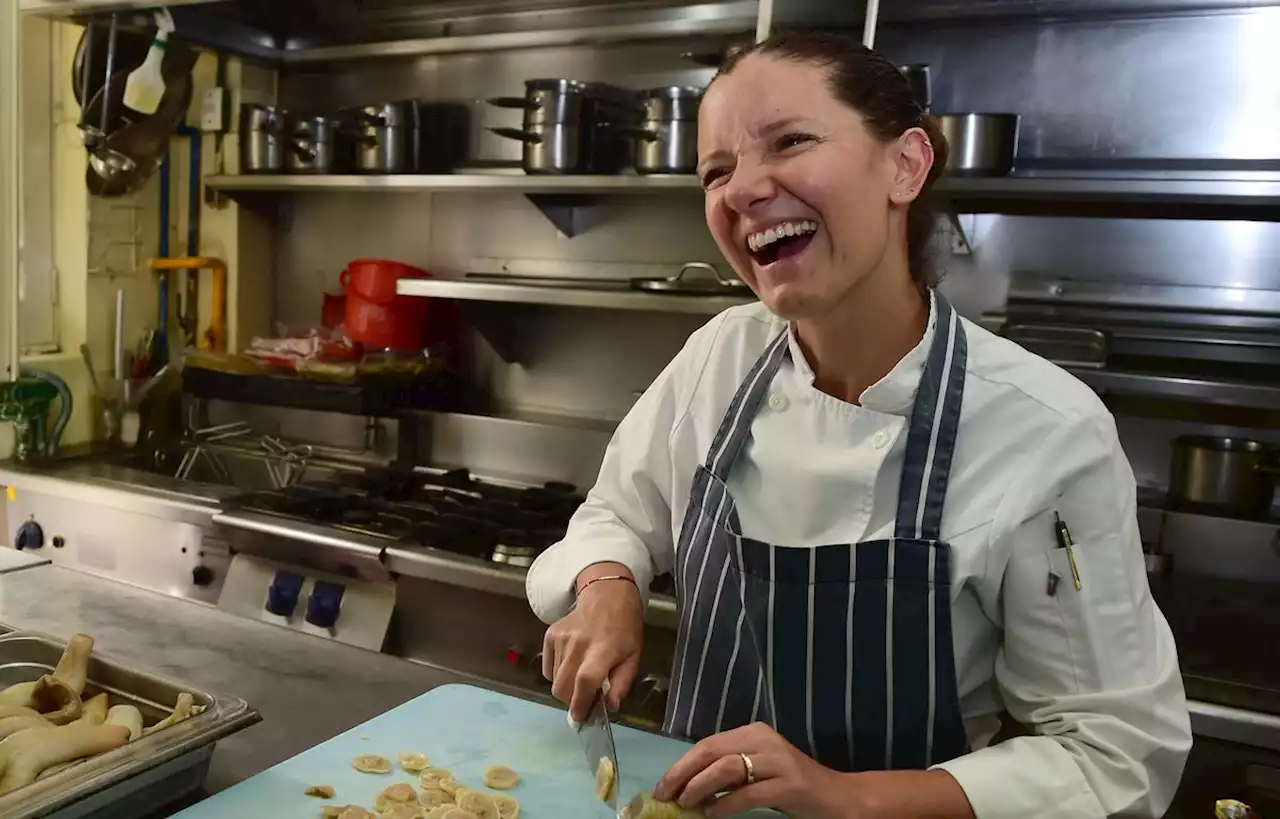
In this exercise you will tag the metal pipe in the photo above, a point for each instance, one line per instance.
(118, 350)
(162, 319)
(869, 24)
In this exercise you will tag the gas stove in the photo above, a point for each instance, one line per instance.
(451, 511)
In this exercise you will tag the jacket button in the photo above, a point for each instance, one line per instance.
(778, 402)
(880, 439)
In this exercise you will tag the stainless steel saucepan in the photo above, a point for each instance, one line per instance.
(980, 144)
(1230, 476)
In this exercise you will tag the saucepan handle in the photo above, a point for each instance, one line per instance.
(517, 134)
(513, 102)
(641, 133)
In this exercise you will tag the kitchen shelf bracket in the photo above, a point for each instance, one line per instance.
(571, 214)
(495, 323)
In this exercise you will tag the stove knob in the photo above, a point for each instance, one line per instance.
(325, 604)
(30, 536)
(202, 576)
(283, 593)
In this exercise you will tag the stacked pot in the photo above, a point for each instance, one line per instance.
(667, 139)
(570, 126)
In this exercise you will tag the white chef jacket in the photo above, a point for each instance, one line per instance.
(1093, 671)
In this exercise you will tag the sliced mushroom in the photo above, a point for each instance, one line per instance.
(402, 811)
(57, 769)
(501, 777)
(321, 791)
(129, 717)
(478, 804)
(508, 807)
(434, 798)
(645, 806)
(397, 794)
(371, 764)
(73, 667)
(413, 762)
(25, 755)
(605, 778)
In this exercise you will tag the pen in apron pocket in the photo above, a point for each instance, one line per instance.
(1064, 540)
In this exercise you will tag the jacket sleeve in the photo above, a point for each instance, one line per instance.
(1093, 672)
(626, 517)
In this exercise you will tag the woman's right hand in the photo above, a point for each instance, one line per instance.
(600, 639)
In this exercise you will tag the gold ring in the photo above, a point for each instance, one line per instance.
(750, 769)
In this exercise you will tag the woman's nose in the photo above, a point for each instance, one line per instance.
(749, 186)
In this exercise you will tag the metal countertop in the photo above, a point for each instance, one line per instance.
(308, 689)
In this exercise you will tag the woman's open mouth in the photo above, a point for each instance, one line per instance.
(782, 241)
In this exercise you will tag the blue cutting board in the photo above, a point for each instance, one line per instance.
(463, 729)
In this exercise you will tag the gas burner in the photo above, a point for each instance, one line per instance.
(451, 511)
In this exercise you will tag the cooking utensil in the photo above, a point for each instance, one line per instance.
(1233, 476)
(551, 148)
(980, 144)
(376, 315)
(717, 284)
(667, 139)
(548, 101)
(384, 136)
(262, 138)
(918, 78)
(596, 737)
(313, 149)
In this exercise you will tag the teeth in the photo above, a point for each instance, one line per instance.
(764, 238)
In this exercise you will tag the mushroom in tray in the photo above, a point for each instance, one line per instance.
(56, 696)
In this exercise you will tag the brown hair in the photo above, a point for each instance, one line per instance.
(873, 86)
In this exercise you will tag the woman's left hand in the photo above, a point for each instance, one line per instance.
(784, 778)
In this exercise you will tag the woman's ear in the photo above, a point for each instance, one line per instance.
(913, 157)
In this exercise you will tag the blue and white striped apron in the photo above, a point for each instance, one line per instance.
(846, 649)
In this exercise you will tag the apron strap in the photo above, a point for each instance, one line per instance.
(935, 419)
(736, 425)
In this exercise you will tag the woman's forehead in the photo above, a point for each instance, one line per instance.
(762, 93)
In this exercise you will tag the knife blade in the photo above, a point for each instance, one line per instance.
(596, 737)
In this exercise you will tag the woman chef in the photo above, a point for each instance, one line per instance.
(859, 496)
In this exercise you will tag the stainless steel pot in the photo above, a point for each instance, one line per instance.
(313, 145)
(667, 139)
(548, 101)
(1233, 476)
(262, 139)
(548, 148)
(980, 144)
(385, 138)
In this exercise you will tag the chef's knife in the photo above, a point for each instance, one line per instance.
(596, 736)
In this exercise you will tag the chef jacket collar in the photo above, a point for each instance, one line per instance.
(896, 391)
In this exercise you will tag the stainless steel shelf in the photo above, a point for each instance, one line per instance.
(604, 298)
(1244, 189)
(514, 182)
(1123, 193)
(1197, 390)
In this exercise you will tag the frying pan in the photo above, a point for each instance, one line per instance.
(144, 140)
(132, 45)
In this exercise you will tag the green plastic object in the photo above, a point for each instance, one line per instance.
(26, 403)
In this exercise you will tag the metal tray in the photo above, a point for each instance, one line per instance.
(139, 777)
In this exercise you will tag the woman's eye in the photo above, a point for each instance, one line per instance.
(712, 176)
(792, 140)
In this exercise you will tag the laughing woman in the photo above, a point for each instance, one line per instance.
(858, 493)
